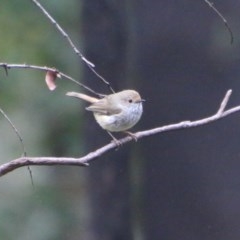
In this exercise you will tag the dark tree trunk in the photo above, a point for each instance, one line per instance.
(185, 64)
(178, 54)
(105, 34)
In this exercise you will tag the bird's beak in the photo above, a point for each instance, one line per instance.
(140, 101)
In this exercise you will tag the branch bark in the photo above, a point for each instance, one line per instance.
(85, 160)
(45, 69)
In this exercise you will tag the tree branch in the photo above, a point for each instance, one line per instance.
(89, 64)
(7, 66)
(210, 4)
(85, 160)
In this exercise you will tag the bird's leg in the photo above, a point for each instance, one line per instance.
(117, 142)
(131, 135)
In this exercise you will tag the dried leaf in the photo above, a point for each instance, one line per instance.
(50, 79)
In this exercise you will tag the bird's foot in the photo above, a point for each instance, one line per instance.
(133, 136)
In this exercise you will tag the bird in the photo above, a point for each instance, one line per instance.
(116, 112)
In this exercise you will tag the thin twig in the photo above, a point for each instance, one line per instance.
(88, 63)
(63, 33)
(85, 160)
(224, 102)
(16, 131)
(24, 153)
(31, 175)
(103, 79)
(7, 66)
(211, 5)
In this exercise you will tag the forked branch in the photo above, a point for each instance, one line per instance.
(85, 160)
(8, 66)
(89, 64)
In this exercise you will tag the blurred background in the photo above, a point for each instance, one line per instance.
(176, 185)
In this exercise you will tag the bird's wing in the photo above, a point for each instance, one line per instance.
(100, 107)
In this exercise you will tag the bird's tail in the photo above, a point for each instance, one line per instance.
(82, 96)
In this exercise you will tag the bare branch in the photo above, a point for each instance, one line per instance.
(28, 161)
(63, 33)
(223, 19)
(24, 153)
(7, 66)
(85, 160)
(224, 102)
(89, 64)
(16, 131)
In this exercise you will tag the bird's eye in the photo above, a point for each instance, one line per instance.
(130, 100)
